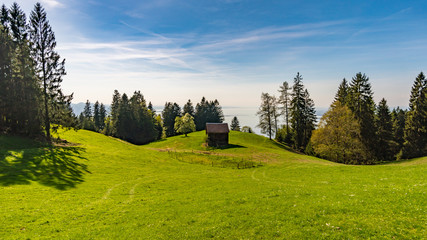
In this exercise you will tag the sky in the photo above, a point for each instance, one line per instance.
(234, 50)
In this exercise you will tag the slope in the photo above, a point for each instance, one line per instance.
(102, 187)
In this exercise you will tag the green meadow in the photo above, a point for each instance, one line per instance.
(98, 187)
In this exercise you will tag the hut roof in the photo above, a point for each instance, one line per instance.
(217, 128)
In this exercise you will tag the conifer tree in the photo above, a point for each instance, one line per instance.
(169, 113)
(361, 103)
(6, 56)
(284, 101)
(188, 108)
(115, 105)
(342, 93)
(102, 116)
(302, 114)
(415, 144)
(386, 145)
(398, 120)
(49, 69)
(4, 18)
(96, 116)
(235, 125)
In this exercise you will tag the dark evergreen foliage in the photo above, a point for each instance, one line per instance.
(285, 101)
(169, 113)
(235, 125)
(188, 108)
(398, 120)
(207, 112)
(302, 114)
(415, 134)
(342, 93)
(387, 147)
(361, 103)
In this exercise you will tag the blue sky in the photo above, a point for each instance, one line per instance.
(234, 50)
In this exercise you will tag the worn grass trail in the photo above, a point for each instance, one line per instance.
(104, 188)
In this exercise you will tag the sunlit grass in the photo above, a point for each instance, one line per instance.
(106, 188)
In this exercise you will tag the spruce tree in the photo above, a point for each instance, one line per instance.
(169, 114)
(415, 134)
(115, 105)
(6, 100)
(398, 119)
(4, 18)
(386, 146)
(235, 125)
(342, 93)
(188, 108)
(49, 69)
(297, 113)
(201, 114)
(102, 116)
(96, 116)
(361, 103)
(310, 118)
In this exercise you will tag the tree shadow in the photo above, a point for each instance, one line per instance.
(229, 146)
(58, 167)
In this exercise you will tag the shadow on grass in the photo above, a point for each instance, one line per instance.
(229, 146)
(57, 167)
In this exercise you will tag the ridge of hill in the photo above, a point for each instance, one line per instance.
(102, 187)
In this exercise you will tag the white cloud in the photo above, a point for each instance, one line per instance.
(52, 3)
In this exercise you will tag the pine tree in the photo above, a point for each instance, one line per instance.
(361, 103)
(310, 118)
(4, 18)
(415, 144)
(235, 125)
(188, 108)
(284, 101)
(384, 125)
(124, 118)
(398, 120)
(6, 100)
(301, 112)
(50, 69)
(169, 114)
(342, 93)
(115, 105)
(266, 114)
(102, 116)
(96, 117)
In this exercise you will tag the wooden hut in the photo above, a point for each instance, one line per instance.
(217, 134)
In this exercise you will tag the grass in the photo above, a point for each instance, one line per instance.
(104, 188)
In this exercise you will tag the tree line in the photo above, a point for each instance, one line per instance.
(135, 121)
(32, 102)
(354, 130)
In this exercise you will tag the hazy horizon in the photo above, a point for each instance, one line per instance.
(234, 50)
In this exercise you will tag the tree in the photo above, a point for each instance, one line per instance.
(102, 117)
(398, 120)
(302, 114)
(86, 118)
(386, 146)
(169, 113)
(284, 101)
(4, 18)
(267, 114)
(415, 134)
(207, 112)
(247, 129)
(96, 117)
(338, 136)
(361, 103)
(235, 125)
(49, 68)
(115, 106)
(188, 108)
(342, 93)
(185, 124)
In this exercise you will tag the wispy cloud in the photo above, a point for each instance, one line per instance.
(52, 3)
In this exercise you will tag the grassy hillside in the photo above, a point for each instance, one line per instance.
(102, 187)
